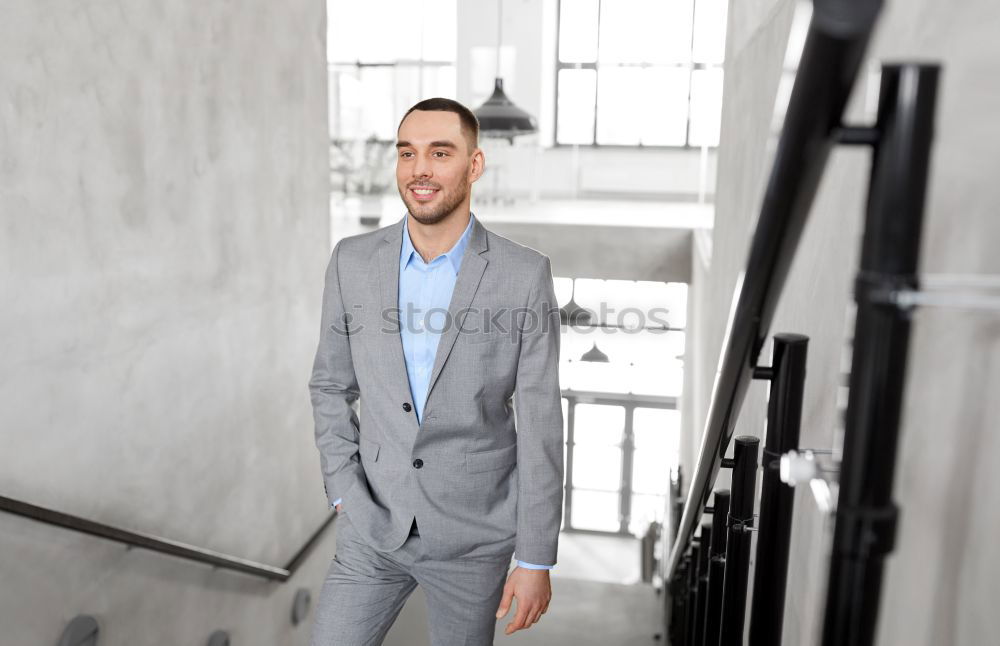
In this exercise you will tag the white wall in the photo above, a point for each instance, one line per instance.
(941, 577)
(164, 218)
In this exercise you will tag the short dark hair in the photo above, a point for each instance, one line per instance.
(468, 120)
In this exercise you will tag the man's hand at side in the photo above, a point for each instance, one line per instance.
(533, 590)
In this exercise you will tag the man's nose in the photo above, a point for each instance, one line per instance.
(422, 167)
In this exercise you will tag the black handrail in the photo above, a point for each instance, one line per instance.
(834, 49)
(164, 545)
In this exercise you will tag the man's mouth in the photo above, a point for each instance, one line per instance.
(423, 193)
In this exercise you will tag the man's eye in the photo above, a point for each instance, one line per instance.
(442, 154)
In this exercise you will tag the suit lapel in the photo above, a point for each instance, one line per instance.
(466, 284)
(390, 342)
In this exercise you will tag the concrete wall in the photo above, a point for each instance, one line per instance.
(940, 585)
(163, 236)
(582, 251)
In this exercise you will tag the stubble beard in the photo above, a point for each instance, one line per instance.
(427, 214)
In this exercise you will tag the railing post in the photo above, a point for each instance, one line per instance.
(866, 515)
(678, 595)
(692, 593)
(676, 622)
(784, 417)
(734, 589)
(704, 544)
(678, 503)
(717, 568)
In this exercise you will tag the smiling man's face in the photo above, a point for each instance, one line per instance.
(435, 167)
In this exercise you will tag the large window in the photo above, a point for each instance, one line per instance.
(640, 72)
(619, 453)
(384, 56)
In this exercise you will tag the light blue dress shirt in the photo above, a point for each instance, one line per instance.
(424, 295)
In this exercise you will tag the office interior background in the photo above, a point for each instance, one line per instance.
(173, 177)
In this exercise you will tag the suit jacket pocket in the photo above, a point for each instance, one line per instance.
(491, 460)
(485, 337)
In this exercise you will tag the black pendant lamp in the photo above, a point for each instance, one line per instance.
(573, 314)
(595, 355)
(498, 116)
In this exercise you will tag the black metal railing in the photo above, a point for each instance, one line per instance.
(164, 545)
(831, 59)
(714, 614)
(866, 516)
(784, 416)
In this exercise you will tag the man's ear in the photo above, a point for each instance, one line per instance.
(478, 166)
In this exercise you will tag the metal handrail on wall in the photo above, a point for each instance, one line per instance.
(708, 574)
(164, 545)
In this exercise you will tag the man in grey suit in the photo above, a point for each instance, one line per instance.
(443, 333)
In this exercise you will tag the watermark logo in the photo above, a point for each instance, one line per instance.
(509, 322)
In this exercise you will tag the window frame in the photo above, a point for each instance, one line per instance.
(559, 66)
(629, 402)
(336, 67)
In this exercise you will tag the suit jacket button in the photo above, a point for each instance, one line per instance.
(418, 463)
(407, 407)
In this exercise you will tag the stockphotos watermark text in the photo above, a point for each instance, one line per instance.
(506, 321)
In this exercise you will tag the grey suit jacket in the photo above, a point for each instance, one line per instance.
(483, 472)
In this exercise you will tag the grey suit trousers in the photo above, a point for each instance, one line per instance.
(365, 589)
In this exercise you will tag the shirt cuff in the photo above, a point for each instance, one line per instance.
(335, 503)
(532, 566)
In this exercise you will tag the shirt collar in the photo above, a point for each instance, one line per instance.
(454, 254)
